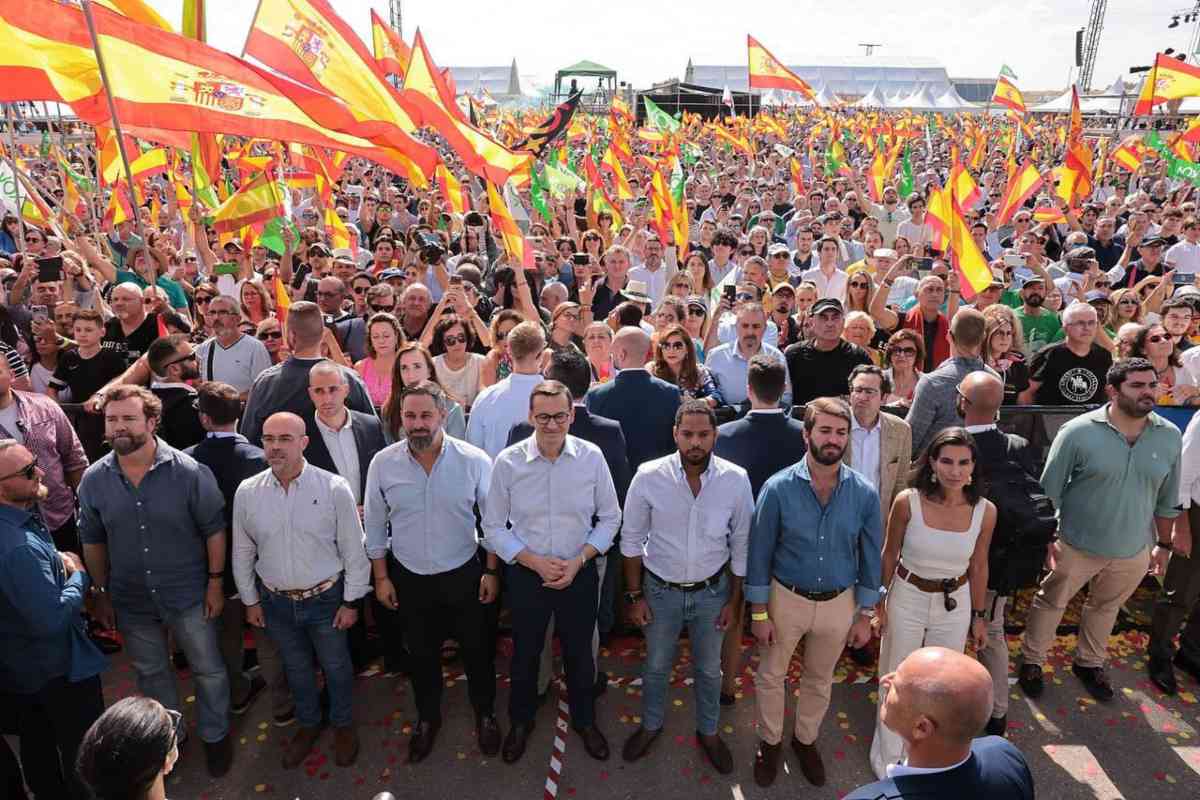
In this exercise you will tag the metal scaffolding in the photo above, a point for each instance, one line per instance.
(1091, 43)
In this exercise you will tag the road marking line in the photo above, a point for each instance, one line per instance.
(559, 750)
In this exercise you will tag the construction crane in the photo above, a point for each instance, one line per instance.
(1091, 43)
(395, 17)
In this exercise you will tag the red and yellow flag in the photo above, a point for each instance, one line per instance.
(256, 203)
(452, 190)
(768, 72)
(138, 11)
(1130, 153)
(1008, 95)
(1169, 79)
(119, 210)
(47, 53)
(150, 163)
(506, 226)
(1021, 186)
(389, 49)
(797, 175)
(283, 301)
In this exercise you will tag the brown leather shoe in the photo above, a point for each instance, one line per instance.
(421, 742)
(766, 763)
(717, 752)
(639, 743)
(300, 746)
(345, 746)
(594, 742)
(810, 762)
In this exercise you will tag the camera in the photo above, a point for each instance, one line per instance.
(431, 249)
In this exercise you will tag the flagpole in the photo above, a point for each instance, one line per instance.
(112, 111)
(11, 152)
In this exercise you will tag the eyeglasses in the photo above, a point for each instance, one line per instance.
(27, 472)
(225, 312)
(697, 312)
(1156, 338)
(450, 341)
(202, 299)
(865, 390)
(265, 335)
(907, 352)
(675, 345)
(382, 309)
(361, 289)
(189, 357)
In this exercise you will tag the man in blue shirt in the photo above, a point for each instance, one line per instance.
(812, 574)
(49, 668)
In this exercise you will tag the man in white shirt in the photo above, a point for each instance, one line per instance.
(656, 269)
(1184, 256)
(916, 229)
(829, 280)
(297, 537)
(230, 356)
(506, 403)
(348, 439)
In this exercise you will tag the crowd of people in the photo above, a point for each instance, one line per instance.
(786, 422)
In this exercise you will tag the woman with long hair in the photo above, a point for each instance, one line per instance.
(256, 303)
(1127, 307)
(129, 750)
(413, 365)
(497, 365)
(860, 287)
(271, 335)
(759, 238)
(597, 346)
(695, 266)
(1004, 350)
(384, 337)
(457, 368)
(1176, 387)
(675, 362)
(564, 327)
(934, 566)
(904, 355)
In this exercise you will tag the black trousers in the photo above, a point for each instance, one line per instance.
(51, 723)
(440, 606)
(66, 537)
(1179, 600)
(574, 610)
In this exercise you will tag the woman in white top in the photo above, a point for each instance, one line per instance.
(457, 367)
(935, 566)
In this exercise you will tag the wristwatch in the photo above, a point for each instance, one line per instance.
(1164, 546)
(979, 614)
(633, 597)
(492, 571)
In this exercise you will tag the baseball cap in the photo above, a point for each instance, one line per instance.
(778, 248)
(318, 248)
(784, 287)
(391, 272)
(1153, 241)
(696, 301)
(1096, 295)
(825, 304)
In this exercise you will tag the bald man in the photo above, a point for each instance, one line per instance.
(301, 571)
(642, 404)
(1018, 549)
(937, 700)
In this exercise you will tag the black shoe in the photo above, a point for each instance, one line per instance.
(515, 742)
(179, 659)
(638, 745)
(219, 756)
(284, 719)
(766, 763)
(421, 742)
(1187, 665)
(1095, 681)
(863, 656)
(717, 752)
(487, 733)
(810, 761)
(256, 688)
(728, 699)
(1162, 674)
(997, 726)
(594, 742)
(1031, 679)
(601, 685)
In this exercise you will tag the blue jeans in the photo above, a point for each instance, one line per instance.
(671, 610)
(198, 637)
(300, 627)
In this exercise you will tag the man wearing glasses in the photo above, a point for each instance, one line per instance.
(49, 668)
(1070, 372)
(230, 356)
(173, 364)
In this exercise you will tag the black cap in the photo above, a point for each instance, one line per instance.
(826, 303)
(1153, 241)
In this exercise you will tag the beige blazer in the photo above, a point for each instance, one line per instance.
(895, 461)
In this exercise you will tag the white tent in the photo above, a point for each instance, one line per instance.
(950, 100)
(872, 99)
(920, 100)
(825, 98)
(1108, 102)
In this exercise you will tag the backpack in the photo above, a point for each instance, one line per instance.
(1025, 523)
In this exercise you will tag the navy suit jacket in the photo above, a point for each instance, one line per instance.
(368, 440)
(601, 431)
(995, 770)
(645, 407)
(232, 459)
(762, 444)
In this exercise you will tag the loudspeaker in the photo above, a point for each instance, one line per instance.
(1079, 47)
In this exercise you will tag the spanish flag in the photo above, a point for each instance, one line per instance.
(1169, 79)
(768, 72)
(1008, 95)
(452, 190)
(119, 210)
(1021, 186)
(283, 301)
(138, 11)
(506, 226)
(152, 162)
(613, 165)
(1130, 153)
(109, 154)
(973, 272)
(257, 203)
(47, 53)
(797, 175)
(390, 51)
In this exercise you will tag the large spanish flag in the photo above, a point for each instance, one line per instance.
(768, 72)
(309, 43)
(1008, 95)
(1169, 79)
(1021, 186)
(46, 53)
(390, 51)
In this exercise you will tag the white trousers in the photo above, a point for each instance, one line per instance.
(915, 619)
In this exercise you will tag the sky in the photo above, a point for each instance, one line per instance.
(647, 42)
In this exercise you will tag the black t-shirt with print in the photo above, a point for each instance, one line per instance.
(1066, 379)
(135, 344)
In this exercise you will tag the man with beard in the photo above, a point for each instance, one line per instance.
(1040, 326)
(49, 668)
(230, 356)
(153, 530)
(685, 533)
(820, 507)
(424, 491)
(730, 363)
(173, 363)
(1111, 473)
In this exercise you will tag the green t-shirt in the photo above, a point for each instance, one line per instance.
(175, 293)
(1039, 330)
(1010, 298)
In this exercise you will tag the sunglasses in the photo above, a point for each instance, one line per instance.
(779, 255)
(382, 309)
(450, 341)
(265, 335)
(361, 289)
(1156, 338)
(859, 285)
(27, 472)
(181, 359)
(904, 351)
(697, 312)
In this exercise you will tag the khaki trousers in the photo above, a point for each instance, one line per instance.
(994, 655)
(1111, 582)
(823, 628)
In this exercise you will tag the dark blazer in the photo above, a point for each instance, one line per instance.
(232, 459)
(996, 446)
(995, 770)
(180, 423)
(762, 444)
(645, 408)
(368, 440)
(601, 431)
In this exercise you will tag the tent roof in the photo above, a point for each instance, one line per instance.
(951, 100)
(1108, 103)
(872, 99)
(920, 100)
(587, 68)
(826, 98)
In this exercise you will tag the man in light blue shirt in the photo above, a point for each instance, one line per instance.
(730, 363)
(423, 491)
(549, 488)
(504, 404)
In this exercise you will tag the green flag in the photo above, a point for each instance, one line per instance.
(272, 235)
(560, 181)
(1007, 72)
(44, 147)
(537, 191)
(658, 119)
(906, 179)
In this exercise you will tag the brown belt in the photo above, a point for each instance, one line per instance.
(304, 594)
(929, 585)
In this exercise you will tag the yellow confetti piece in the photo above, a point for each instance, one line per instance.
(262, 737)
(729, 729)
(678, 702)
(191, 698)
(260, 787)
(262, 726)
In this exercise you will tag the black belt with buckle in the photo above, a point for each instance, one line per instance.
(693, 586)
(816, 597)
